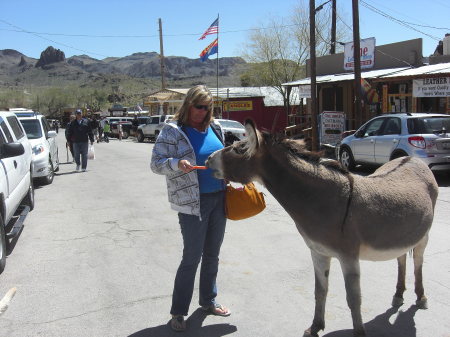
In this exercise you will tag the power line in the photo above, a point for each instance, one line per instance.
(403, 23)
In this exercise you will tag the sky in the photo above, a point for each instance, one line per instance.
(112, 28)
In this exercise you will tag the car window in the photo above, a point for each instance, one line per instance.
(155, 120)
(5, 129)
(45, 125)
(428, 125)
(231, 124)
(2, 139)
(392, 127)
(373, 127)
(32, 128)
(15, 126)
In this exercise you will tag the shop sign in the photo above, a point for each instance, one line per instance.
(238, 105)
(304, 91)
(432, 87)
(332, 125)
(367, 54)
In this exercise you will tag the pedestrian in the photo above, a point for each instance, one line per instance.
(101, 124)
(56, 125)
(119, 130)
(94, 127)
(106, 131)
(69, 143)
(80, 133)
(198, 197)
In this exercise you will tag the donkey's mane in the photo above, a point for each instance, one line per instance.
(298, 149)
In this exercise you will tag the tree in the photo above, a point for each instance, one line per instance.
(278, 50)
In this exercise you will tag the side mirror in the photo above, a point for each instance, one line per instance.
(51, 134)
(11, 150)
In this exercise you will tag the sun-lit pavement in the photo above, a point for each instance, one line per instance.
(98, 255)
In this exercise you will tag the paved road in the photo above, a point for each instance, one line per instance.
(97, 257)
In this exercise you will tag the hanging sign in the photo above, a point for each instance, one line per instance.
(304, 91)
(432, 87)
(367, 54)
(332, 125)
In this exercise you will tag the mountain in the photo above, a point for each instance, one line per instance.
(53, 69)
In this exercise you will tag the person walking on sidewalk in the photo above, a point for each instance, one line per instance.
(80, 133)
(197, 196)
(106, 131)
(69, 144)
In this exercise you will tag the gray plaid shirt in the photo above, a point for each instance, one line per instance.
(171, 146)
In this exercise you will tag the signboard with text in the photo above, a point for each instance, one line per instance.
(304, 91)
(332, 125)
(432, 87)
(367, 54)
(238, 105)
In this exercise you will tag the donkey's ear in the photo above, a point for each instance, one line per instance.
(254, 137)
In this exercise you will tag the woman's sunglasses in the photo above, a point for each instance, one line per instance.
(199, 107)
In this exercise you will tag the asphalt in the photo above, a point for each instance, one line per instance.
(98, 256)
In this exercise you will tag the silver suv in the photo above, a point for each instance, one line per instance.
(383, 138)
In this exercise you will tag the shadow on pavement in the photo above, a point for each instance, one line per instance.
(380, 326)
(194, 328)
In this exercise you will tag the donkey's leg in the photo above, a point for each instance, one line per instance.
(421, 301)
(350, 268)
(398, 296)
(321, 272)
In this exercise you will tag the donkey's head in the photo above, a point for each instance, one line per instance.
(239, 162)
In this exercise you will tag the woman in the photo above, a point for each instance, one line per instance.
(197, 196)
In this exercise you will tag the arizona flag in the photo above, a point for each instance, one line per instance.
(213, 29)
(213, 48)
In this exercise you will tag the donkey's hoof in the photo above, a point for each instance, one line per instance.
(422, 303)
(309, 333)
(397, 301)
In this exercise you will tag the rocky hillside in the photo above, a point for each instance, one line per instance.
(54, 69)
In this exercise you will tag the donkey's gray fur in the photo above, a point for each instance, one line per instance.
(349, 217)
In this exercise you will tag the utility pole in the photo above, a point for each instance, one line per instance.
(357, 64)
(333, 27)
(312, 64)
(161, 55)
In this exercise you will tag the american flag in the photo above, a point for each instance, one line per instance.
(213, 29)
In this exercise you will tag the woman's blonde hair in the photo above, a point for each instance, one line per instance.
(195, 95)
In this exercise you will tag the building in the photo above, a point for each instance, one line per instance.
(263, 105)
(400, 81)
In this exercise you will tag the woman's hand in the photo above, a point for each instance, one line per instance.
(185, 166)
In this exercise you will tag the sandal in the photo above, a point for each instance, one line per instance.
(177, 323)
(217, 309)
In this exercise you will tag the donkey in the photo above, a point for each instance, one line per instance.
(349, 217)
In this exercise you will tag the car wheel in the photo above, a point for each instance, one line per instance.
(51, 173)
(398, 155)
(29, 198)
(2, 245)
(57, 161)
(125, 135)
(140, 137)
(346, 159)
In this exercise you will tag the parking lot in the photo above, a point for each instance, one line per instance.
(98, 256)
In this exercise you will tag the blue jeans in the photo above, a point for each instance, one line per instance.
(81, 149)
(202, 240)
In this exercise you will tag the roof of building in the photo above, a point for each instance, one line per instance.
(441, 68)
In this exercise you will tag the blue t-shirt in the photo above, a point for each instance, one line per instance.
(205, 143)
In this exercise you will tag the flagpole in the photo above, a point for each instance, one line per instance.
(217, 69)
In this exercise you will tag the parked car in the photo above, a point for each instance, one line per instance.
(383, 138)
(45, 149)
(152, 128)
(16, 184)
(126, 123)
(232, 130)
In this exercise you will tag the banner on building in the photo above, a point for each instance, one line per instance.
(238, 105)
(332, 125)
(432, 87)
(367, 54)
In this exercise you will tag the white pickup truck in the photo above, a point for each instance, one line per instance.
(16, 185)
(152, 128)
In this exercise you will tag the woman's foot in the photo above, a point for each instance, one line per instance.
(217, 309)
(177, 323)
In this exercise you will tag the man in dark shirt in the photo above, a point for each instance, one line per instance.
(80, 133)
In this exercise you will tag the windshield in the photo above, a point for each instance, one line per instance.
(231, 124)
(429, 124)
(32, 128)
